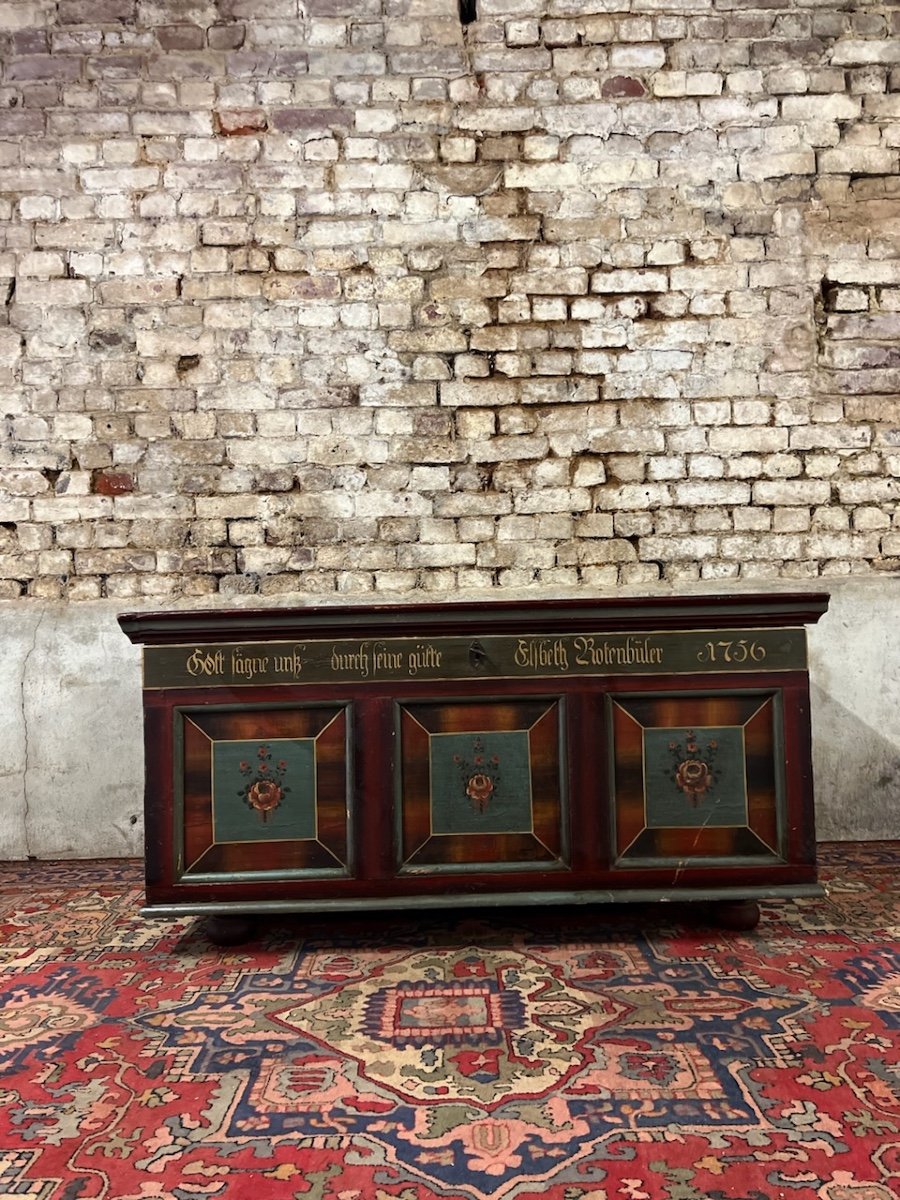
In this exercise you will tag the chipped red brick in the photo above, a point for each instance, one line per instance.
(181, 37)
(287, 119)
(238, 122)
(18, 122)
(58, 67)
(301, 287)
(30, 41)
(96, 12)
(622, 85)
(226, 37)
(112, 483)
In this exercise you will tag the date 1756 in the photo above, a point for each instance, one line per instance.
(735, 651)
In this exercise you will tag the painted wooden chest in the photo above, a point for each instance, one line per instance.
(327, 758)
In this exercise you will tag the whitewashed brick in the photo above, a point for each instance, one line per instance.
(748, 438)
(645, 57)
(792, 492)
(634, 496)
(53, 293)
(469, 332)
(851, 52)
(711, 493)
(821, 108)
(542, 176)
(859, 160)
(573, 281)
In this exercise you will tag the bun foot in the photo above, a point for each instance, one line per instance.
(736, 914)
(228, 931)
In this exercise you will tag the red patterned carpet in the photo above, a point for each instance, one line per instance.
(626, 1054)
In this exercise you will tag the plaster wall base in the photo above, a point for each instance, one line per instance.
(71, 750)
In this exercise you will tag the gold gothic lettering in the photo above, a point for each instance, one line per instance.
(424, 657)
(499, 656)
(206, 662)
(386, 659)
(354, 662)
(632, 651)
(248, 666)
(290, 663)
(541, 653)
(381, 658)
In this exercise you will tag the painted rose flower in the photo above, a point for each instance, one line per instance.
(265, 787)
(693, 777)
(693, 767)
(479, 789)
(264, 795)
(479, 775)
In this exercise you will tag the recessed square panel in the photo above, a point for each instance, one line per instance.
(696, 777)
(481, 783)
(264, 791)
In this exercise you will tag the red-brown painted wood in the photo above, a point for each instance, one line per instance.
(588, 858)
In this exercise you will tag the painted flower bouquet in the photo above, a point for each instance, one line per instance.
(265, 788)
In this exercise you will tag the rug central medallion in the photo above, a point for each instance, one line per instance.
(443, 1028)
(425, 1014)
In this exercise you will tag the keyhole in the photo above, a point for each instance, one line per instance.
(477, 656)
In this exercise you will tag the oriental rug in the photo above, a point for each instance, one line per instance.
(619, 1054)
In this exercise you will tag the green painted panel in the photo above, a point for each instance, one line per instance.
(480, 782)
(695, 777)
(264, 790)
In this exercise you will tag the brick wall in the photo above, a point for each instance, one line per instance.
(341, 297)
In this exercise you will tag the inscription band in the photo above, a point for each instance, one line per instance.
(353, 660)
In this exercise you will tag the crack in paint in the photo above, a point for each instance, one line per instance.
(25, 662)
(683, 863)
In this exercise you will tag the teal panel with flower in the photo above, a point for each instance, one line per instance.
(264, 791)
(481, 782)
(695, 777)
